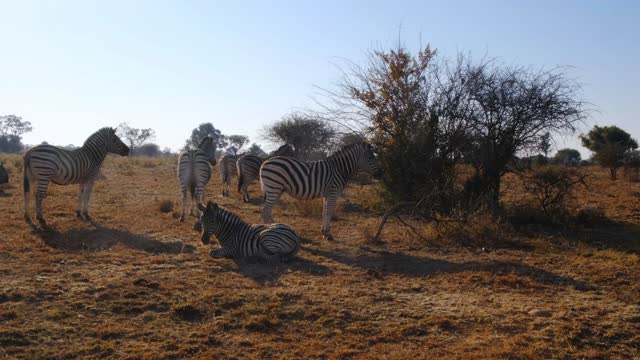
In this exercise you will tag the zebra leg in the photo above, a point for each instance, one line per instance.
(245, 193)
(184, 205)
(88, 187)
(80, 197)
(41, 193)
(327, 214)
(218, 253)
(269, 200)
(198, 197)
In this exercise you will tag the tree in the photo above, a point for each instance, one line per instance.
(135, 137)
(567, 157)
(256, 150)
(203, 130)
(408, 106)
(609, 145)
(236, 142)
(149, 149)
(511, 109)
(12, 128)
(311, 137)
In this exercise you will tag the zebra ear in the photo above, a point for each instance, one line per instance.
(212, 206)
(201, 207)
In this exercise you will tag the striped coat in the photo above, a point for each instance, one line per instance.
(309, 180)
(249, 168)
(194, 172)
(273, 242)
(227, 169)
(44, 164)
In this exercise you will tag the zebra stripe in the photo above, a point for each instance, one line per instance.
(227, 169)
(273, 242)
(309, 180)
(194, 172)
(46, 163)
(249, 168)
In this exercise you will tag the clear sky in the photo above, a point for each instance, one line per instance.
(71, 67)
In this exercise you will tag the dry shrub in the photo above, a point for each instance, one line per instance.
(553, 188)
(165, 206)
(149, 164)
(591, 215)
(481, 231)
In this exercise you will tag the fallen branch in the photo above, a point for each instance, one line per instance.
(388, 213)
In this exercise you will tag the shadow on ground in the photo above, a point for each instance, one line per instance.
(263, 272)
(384, 262)
(101, 237)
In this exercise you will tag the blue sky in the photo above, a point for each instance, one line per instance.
(71, 67)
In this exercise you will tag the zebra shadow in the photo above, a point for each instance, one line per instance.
(263, 272)
(100, 237)
(381, 263)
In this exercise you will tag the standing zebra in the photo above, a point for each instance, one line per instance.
(273, 242)
(47, 163)
(227, 169)
(194, 172)
(249, 168)
(309, 180)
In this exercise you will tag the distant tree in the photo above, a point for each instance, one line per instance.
(202, 131)
(70, 147)
(255, 149)
(545, 144)
(167, 152)
(567, 157)
(12, 128)
(134, 137)
(311, 138)
(149, 149)
(609, 145)
(236, 142)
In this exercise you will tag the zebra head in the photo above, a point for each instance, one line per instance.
(369, 162)
(115, 145)
(211, 220)
(284, 150)
(207, 146)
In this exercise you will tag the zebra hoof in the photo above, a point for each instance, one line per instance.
(216, 253)
(42, 221)
(327, 236)
(78, 214)
(197, 226)
(87, 217)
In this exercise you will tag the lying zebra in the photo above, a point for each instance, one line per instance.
(249, 168)
(44, 164)
(273, 242)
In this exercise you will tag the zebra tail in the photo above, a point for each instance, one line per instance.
(240, 179)
(26, 185)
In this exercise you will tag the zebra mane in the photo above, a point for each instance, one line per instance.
(227, 215)
(102, 133)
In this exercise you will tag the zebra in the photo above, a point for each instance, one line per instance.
(194, 172)
(249, 168)
(309, 180)
(272, 242)
(227, 168)
(47, 163)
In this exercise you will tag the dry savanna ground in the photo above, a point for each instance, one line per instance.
(138, 284)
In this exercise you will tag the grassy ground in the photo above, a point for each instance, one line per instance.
(139, 284)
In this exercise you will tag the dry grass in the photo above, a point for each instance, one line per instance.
(140, 285)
